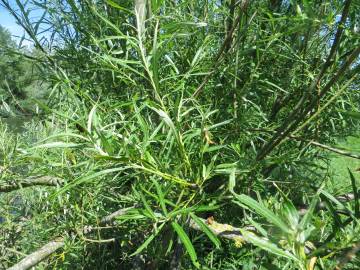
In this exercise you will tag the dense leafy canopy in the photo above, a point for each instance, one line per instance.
(191, 115)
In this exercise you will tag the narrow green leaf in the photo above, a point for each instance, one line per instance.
(115, 5)
(206, 230)
(187, 243)
(356, 194)
(91, 118)
(56, 145)
(290, 213)
(132, 214)
(265, 244)
(87, 178)
(180, 211)
(66, 134)
(148, 241)
(147, 206)
(305, 221)
(309, 213)
(161, 196)
(258, 227)
(352, 114)
(219, 124)
(263, 211)
(338, 203)
(232, 181)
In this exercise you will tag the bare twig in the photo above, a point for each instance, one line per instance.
(314, 143)
(107, 219)
(29, 182)
(24, 22)
(328, 148)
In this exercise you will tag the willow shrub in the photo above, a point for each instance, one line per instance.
(186, 110)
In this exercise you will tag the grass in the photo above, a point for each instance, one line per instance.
(338, 170)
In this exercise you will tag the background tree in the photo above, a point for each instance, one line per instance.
(18, 75)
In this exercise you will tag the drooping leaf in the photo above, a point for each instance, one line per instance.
(186, 242)
(267, 245)
(263, 211)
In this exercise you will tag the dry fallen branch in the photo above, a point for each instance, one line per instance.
(29, 182)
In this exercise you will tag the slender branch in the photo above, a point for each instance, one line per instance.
(25, 25)
(107, 219)
(39, 255)
(226, 44)
(329, 148)
(49, 248)
(311, 142)
(287, 128)
(328, 61)
(337, 38)
(33, 181)
(297, 115)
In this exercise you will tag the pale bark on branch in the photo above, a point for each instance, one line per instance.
(221, 230)
(49, 248)
(29, 182)
(39, 255)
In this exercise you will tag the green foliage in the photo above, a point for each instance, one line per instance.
(156, 110)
